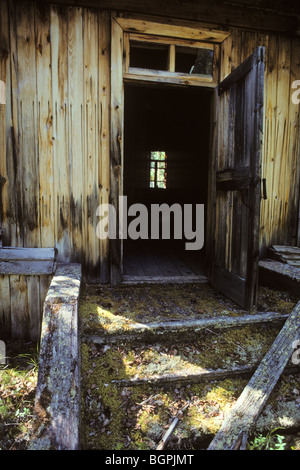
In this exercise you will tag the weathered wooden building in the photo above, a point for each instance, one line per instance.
(94, 88)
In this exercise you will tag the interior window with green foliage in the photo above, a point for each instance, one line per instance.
(158, 169)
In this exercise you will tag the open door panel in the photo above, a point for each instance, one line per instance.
(235, 253)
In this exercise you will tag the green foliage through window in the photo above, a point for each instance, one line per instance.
(158, 169)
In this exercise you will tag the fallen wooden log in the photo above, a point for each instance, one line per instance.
(194, 325)
(57, 402)
(253, 398)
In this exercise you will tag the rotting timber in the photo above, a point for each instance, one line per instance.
(134, 385)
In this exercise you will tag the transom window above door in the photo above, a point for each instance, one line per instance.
(172, 60)
(181, 54)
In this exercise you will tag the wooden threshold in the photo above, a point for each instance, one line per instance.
(127, 279)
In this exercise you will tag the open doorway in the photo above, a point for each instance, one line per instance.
(166, 152)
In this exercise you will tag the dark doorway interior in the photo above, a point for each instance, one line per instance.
(166, 152)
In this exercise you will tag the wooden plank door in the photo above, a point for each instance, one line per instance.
(235, 252)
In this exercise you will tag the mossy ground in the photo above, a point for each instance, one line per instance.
(136, 417)
(18, 378)
(114, 309)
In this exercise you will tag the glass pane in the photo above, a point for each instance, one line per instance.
(152, 174)
(160, 175)
(148, 56)
(158, 155)
(195, 61)
(158, 164)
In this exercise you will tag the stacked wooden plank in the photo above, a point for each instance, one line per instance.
(27, 261)
(285, 254)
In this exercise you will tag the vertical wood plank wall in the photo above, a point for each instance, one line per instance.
(55, 137)
(55, 153)
(21, 305)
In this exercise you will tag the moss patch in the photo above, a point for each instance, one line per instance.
(116, 417)
(114, 309)
(232, 348)
(136, 417)
(18, 378)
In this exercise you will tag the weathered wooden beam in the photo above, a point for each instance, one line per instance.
(279, 275)
(241, 71)
(194, 325)
(184, 377)
(169, 30)
(27, 261)
(253, 398)
(223, 13)
(57, 403)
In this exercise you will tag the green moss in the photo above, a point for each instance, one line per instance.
(117, 417)
(112, 309)
(276, 300)
(101, 401)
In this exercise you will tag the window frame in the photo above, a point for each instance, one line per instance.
(156, 170)
(169, 75)
(187, 34)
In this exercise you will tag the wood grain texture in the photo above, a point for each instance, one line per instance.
(57, 403)
(116, 143)
(22, 297)
(238, 181)
(280, 157)
(104, 129)
(55, 138)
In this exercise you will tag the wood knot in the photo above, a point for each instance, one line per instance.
(117, 169)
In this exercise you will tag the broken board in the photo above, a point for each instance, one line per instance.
(253, 398)
(285, 254)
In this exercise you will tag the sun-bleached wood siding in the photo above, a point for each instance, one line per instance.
(55, 153)
(55, 129)
(22, 298)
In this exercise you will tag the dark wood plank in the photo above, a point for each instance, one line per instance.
(116, 145)
(235, 269)
(230, 284)
(240, 71)
(232, 179)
